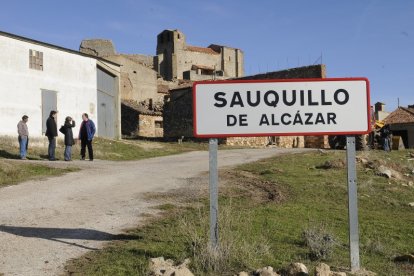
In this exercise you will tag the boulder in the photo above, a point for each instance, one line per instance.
(411, 204)
(297, 269)
(362, 160)
(384, 171)
(332, 164)
(266, 271)
(243, 273)
(161, 267)
(322, 270)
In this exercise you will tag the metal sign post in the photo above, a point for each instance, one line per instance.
(212, 149)
(251, 108)
(352, 203)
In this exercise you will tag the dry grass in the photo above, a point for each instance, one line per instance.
(234, 249)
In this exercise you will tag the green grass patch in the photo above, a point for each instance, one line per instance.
(15, 172)
(254, 234)
(105, 149)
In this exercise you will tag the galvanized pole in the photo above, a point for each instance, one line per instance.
(213, 145)
(352, 203)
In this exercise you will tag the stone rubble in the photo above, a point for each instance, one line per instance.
(161, 267)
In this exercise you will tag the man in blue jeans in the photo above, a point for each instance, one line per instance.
(51, 133)
(23, 132)
(86, 132)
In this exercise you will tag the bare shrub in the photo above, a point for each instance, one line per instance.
(320, 242)
(234, 249)
(374, 246)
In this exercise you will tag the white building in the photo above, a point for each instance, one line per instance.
(37, 77)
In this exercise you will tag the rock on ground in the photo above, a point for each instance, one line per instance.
(161, 267)
(297, 269)
(324, 270)
(266, 271)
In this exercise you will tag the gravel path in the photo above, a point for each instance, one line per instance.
(44, 223)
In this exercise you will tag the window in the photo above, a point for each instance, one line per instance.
(159, 124)
(35, 60)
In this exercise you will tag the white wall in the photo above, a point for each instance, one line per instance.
(71, 75)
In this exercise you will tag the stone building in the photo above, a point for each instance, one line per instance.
(138, 77)
(401, 123)
(146, 79)
(177, 60)
(178, 113)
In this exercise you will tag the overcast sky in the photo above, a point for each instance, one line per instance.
(354, 38)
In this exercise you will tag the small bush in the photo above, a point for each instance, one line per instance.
(374, 246)
(320, 242)
(235, 250)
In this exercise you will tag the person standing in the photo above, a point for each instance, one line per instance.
(66, 129)
(23, 132)
(51, 133)
(86, 134)
(385, 135)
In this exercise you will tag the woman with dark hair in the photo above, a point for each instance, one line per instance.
(66, 129)
(51, 133)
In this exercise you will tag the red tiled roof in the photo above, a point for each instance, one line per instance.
(201, 50)
(401, 115)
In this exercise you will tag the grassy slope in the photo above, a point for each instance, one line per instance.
(311, 198)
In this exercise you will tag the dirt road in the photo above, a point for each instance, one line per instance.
(44, 223)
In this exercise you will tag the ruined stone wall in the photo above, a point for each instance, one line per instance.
(97, 47)
(138, 82)
(317, 142)
(232, 62)
(145, 60)
(290, 142)
(306, 72)
(186, 59)
(135, 123)
(278, 141)
(150, 126)
(178, 114)
(247, 141)
(314, 71)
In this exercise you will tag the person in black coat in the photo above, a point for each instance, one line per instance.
(51, 133)
(66, 129)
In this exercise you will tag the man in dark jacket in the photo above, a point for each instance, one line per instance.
(86, 133)
(51, 133)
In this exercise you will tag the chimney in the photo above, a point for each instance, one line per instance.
(379, 107)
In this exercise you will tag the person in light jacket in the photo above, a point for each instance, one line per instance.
(51, 133)
(66, 130)
(23, 132)
(86, 134)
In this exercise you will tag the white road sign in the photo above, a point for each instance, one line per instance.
(281, 107)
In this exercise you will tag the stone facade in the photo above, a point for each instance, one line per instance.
(177, 60)
(150, 125)
(178, 113)
(139, 121)
(146, 79)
